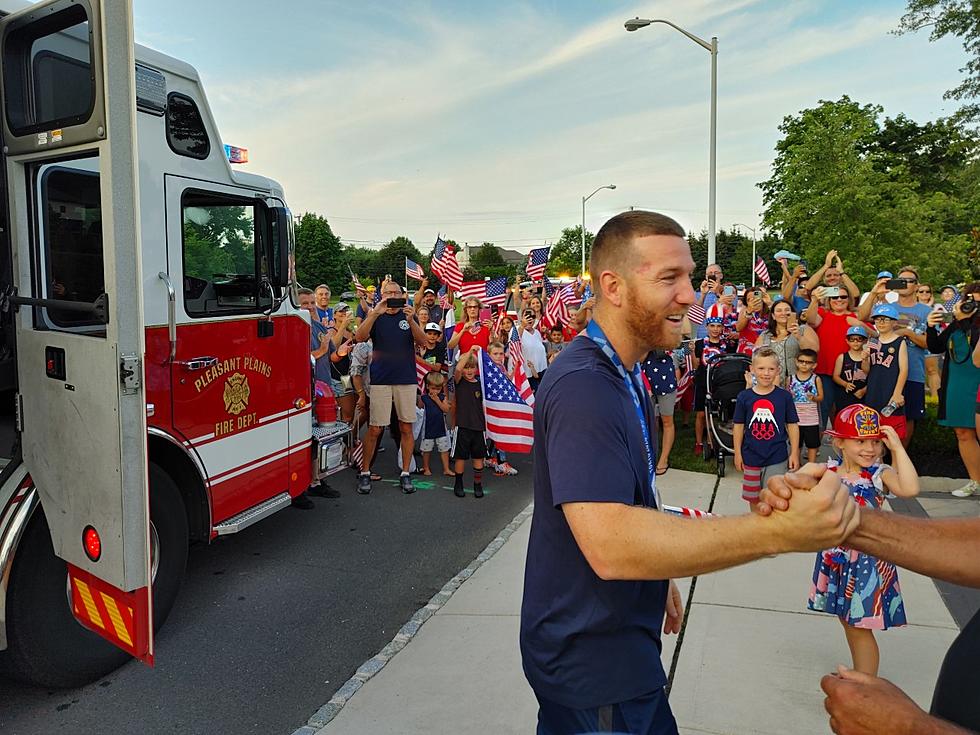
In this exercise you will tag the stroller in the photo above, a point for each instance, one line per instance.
(725, 379)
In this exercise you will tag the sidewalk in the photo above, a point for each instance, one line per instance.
(750, 660)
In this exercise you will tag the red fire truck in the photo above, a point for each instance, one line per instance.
(162, 367)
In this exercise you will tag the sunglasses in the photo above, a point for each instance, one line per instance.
(838, 298)
(925, 290)
(856, 338)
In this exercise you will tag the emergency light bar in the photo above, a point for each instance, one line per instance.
(235, 154)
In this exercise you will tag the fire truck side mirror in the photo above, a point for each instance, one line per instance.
(280, 245)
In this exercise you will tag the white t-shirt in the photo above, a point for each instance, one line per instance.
(534, 352)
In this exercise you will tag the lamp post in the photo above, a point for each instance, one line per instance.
(739, 224)
(712, 48)
(584, 200)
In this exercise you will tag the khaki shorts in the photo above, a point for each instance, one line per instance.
(382, 397)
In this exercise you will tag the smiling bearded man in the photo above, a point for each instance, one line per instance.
(596, 588)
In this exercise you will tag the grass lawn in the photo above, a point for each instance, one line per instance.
(682, 454)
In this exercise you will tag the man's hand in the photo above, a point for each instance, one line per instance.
(829, 260)
(779, 489)
(674, 614)
(817, 519)
(860, 704)
(408, 311)
(424, 284)
(380, 308)
(798, 271)
(793, 462)
(361, 402)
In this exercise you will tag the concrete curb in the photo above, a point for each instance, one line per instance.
(322, 717)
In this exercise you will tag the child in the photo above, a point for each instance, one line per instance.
(468, 439)
(889, 368)
(435, 405)
(807, 390)
(851, 368)
(555, 343)
(498, 457)
(859, 589)
(434, 350)
(764, 416)
(705, 350)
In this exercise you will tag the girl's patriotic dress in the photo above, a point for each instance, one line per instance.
(861, 590)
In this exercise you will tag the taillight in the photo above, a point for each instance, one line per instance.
(91, 543)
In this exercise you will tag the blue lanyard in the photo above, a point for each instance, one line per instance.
(634, 384)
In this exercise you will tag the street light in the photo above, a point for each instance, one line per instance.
(712, 47)
(584, 200)
(739, 224)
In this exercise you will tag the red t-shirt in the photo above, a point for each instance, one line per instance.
(568, 333)
(469, 339)
(832, 334)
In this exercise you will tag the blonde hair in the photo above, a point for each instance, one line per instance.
(435, 380)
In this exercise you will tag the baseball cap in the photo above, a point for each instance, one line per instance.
(433, 327)
(886, 310)
(884, 274)
(429, 291)
(858, 330)
(342, 306)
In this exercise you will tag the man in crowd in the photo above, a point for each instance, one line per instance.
(859, 704)
(793, 286)
(832, 274)
(596, 589)
(709, 292)
(912, 316)
(323, 313)
(394, 332)
(426, 297)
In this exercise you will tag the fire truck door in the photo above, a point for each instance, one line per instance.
(69, 102)
(227, 376)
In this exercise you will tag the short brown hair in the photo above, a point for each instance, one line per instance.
(436, 380)
(305, 292)
(910, 269)
(614, 241)
(764, 352)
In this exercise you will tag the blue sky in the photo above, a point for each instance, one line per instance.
(490, 120)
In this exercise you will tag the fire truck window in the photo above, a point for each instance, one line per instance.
(221, 262)
(46, 73)
(73, 241)
(186, 133)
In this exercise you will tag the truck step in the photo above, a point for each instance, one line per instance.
(254, 514)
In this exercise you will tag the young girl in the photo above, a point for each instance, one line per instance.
(859, 589)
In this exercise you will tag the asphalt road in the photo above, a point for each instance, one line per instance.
(271, 621)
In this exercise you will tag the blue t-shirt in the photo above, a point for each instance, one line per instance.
(586, 642)
(393, 358)
(325, 313)
(435, 419)
(914, 317)
(765, 418)
(321, 370)
(710, 299)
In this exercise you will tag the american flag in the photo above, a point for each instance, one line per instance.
(522, 384)
(444, 301)
(696, 313)
(490, 293)
(514, 348)
(537, 261)
(421, 370)
(445, 266)
(356, 455)
(510, 421)
(414, 270)
(687, 375)
(762, 271)
(680, 510)
(358, 288)
(556, 313)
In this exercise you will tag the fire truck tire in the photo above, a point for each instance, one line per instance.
(47, 646)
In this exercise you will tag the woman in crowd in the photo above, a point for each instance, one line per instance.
(532, 346)
(925, 296)
(506, 329)
(786, 336)
(753, 318)
(470, 330)
(342, 340)
(831, 325)
(536, 306)
(422, 315)
(960, 379)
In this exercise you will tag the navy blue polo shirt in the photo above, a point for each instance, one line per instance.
(393, 358)
(587, 642)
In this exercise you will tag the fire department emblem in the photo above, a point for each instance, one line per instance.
(236, 394)
(866, 422)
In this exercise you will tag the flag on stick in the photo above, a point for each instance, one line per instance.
(445, 265)
(358, 288)
(762, 271)
(421, 370)
(680, 510)
(413, 270)
(696, 313)
(522, 384)
(537, 261)
(490, 293)
(509, 420)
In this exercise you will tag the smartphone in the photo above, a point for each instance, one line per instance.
(896, 284)
(949, 317)
(831, 291)
(728, 291)
(395, 303)
(485, 314)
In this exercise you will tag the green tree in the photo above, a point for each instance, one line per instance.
(390, 260)
(486, 256)
(319, 256)
(219, 240)
(566, 254)
(960, 19)
(833, 187)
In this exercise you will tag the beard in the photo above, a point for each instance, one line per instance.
(649, 328)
